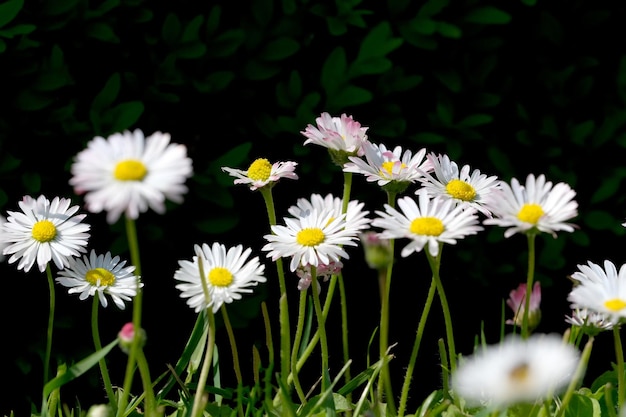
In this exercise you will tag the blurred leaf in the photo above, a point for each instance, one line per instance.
(213, 20)
(475, 120)
(226, 43)
(368, 66)
(334, 70)
(8, 162)
(449, 30)
(31, 182)
(257, 70)
(349, 95)
(608, 188)
(378, 42)
(280, 48)
(8, 11)
(262, 10)
(551, 28)
(192, 30)
(432, 7)
(107, 95)
(22, 29)
(581, 131)
(217, 225)
(424, 26)
(58, 7)
(613, 120)
(123, 116)
(191, 50)
(31, 100)
(102, 32)
(214, 81)
(104, 7)
(600, 220)
(500, 161)
(488, 15)
(445, 112)
(582, 406)
(170, 31)
(234, 158)
(450, 78)
(429, 138)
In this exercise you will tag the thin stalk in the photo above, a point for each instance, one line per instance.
(619, 356)
(347, 189)
(285, 332)
(95, 333)
(199, 401)
(416, 345)
(235, 352)
(435, 263)
(578, 376)
(148, 389)
(46, 360)
(384, 378)
(296, 347)
(529, 281)
(321, 325)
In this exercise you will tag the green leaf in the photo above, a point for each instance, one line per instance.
(488, 15)
(280, 48)
(102, 32)
(192, 30)
(581, 131)
(213, 20)
(170, 32)
(449, 30)
(214, 81)
(21, 29)
(350, 95)
(8, 11)
(582, 406)
(600, 220)
(334, 70)
(226, 43)
(608, 188)
(58, 7)
(262, 10)
(474, 120)
(429, 138)
(31, 100)
(257, 70)
(450, 78)
(233, 158)
(432, 7)
(500, 161)
(374, 65)
(191, 50)
(378, 42)
(123, 116)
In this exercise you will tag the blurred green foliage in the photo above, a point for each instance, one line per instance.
(510, 88)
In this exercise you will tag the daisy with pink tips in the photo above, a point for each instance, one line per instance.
(261, 173)
(337, 133)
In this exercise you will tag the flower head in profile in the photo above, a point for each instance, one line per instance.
(464, 186)
(590, 322)
(104, 275)
(322, 271)
(44, 231)
(313, 238)
(537, 206)
(600, 289)
(3, 243)
(128, 173)
(426, 222)
(390, 168)
(261, 173)
(517, 303)
(342, 136)
(516, 371)
(228, 273)
(356, 217)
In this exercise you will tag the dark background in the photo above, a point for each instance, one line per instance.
(509, 88)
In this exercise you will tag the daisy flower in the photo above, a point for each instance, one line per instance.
(355, 215)
(601, 290)
(517, 303)
(516, 371)
(342, 134)
(535, 206)
(127, 173)
(102, 275)
(426, 222)
(228, 274)
(464, 186)
(3, 244)
(262, 173)
(386, 166)
(43, 231)
(322, 270)
(590, 322)
(314, 238)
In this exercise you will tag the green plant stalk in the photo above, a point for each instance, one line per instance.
(416, 345)
(345, 200)
(578, 376)
(321, 324)
(270, 351)
(133, 246)
(435, 263)
(206, 365)
(296, 347)
(529, 281)
(52, 306)
(148, 389)
(384, 380)
(234, 350)
(104, 371)
(285, 331)
(619, 356)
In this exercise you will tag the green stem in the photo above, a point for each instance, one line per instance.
(384, 378)
(148, 389)
(133, 246)
(199, 399)
(619, 356)
(578, 376)
(296, 347)
(95, 332)
(416, 345)
(321, 325)
(233, 348)
(285, 332)
(46, 360)
(529, 282)
(435, 263)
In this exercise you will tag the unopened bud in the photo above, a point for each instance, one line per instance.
(378, 254)
(127, 335)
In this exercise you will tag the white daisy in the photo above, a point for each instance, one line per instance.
(516, 371)
(426, 222)
(601, 290)
(229, 273)
(355, 215)
(464, 187)
(262, 173)
(43, 231)
(103, 275)
(590, 322)
(127, 173)
(342, 134)
(389, 166)
(3, 244)
(535, 206)
(313, 238)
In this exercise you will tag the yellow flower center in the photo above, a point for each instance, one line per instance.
(260, 170)
(104, 276)
(461, 190)
(387, 167)
(520, 373)
(310, 237)
(220, 277)
(44, 231)
(130, 170)
(615, 304)
(530, 213)
(428, 226)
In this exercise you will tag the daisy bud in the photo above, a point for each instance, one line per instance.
(378, 254)
(127, 335)
(517, 303)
